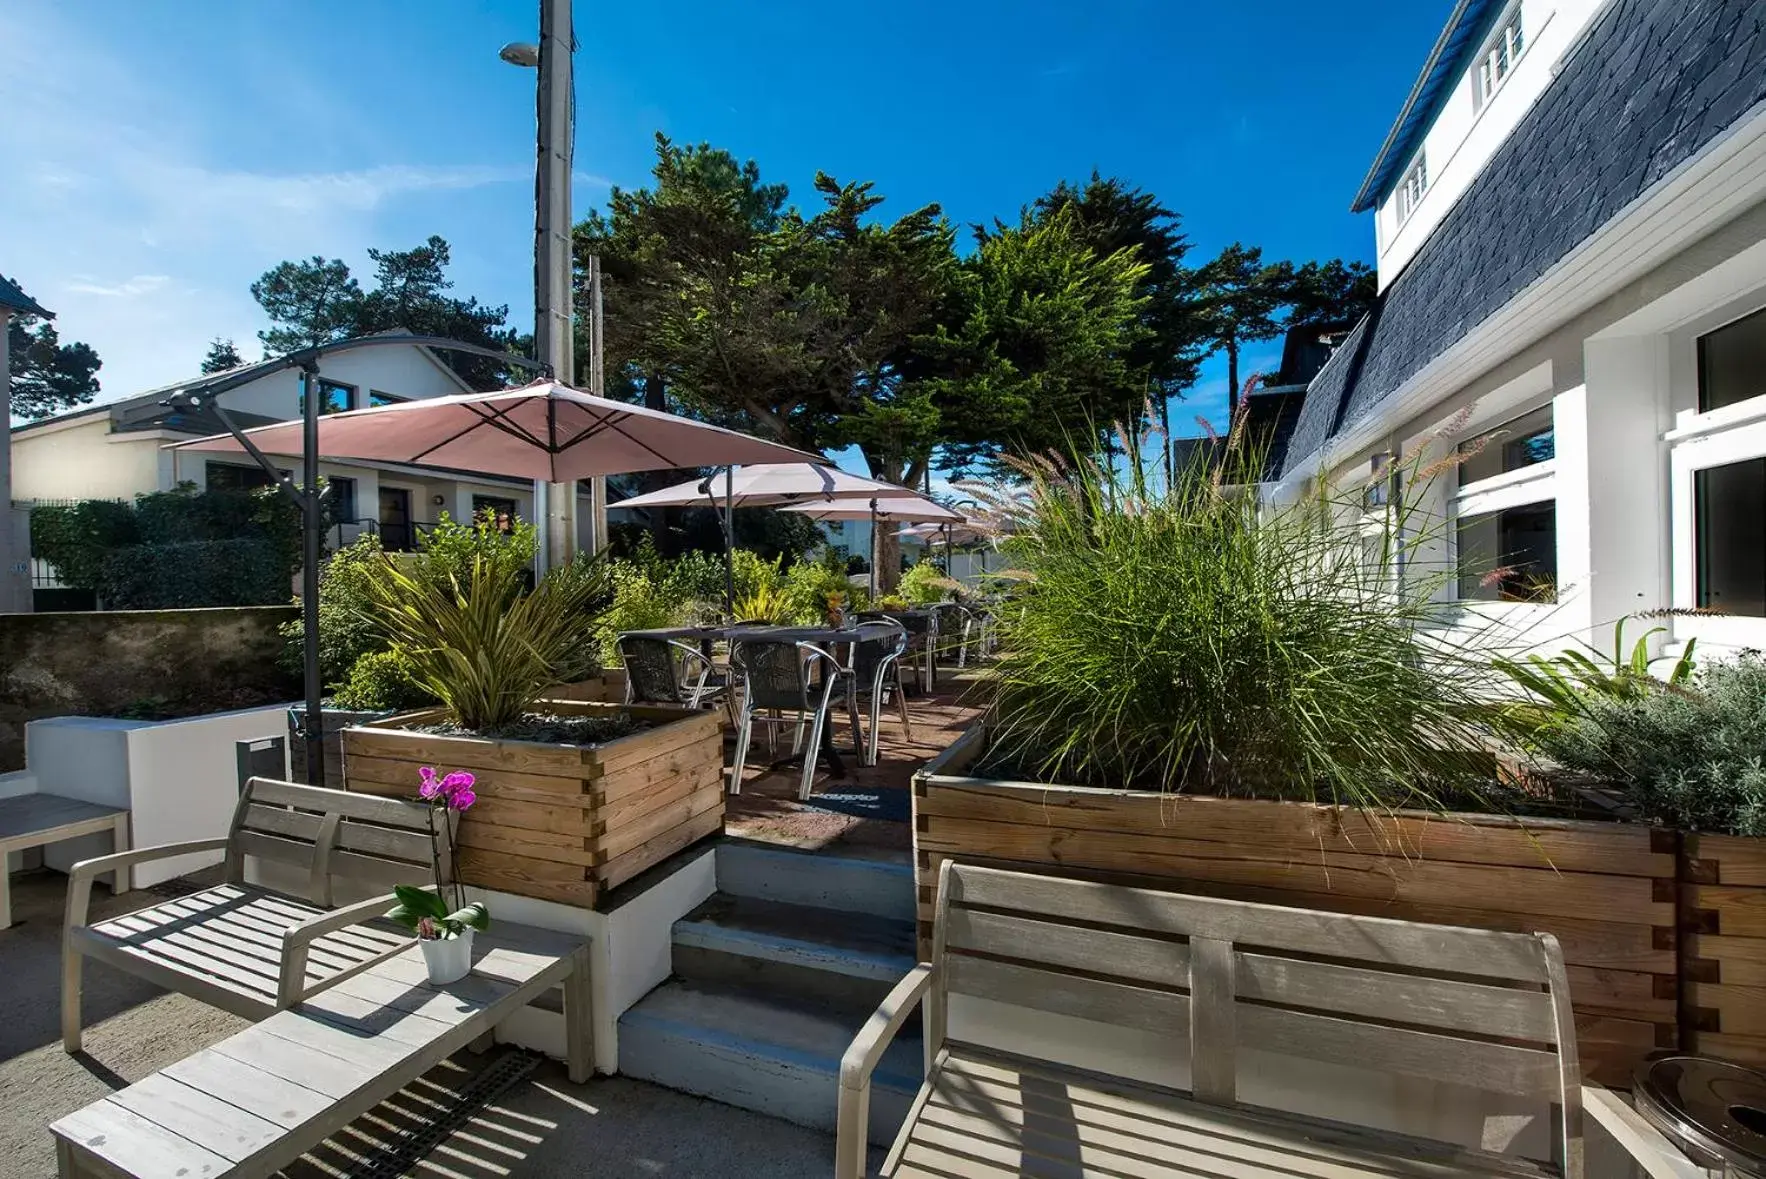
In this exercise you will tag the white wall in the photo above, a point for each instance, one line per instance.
(1463, 138)
(401, 371)
(179, 779)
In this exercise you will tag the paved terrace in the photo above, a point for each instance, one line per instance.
(543, 1127)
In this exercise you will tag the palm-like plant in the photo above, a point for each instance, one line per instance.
(483, 647)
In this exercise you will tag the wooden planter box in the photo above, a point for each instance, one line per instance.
(1606, 890)
(1723, 897)
(561, 822)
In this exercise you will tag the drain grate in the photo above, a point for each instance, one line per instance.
(408, 1147)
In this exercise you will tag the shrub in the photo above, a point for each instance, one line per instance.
(1692, 756)
(925, 584)
(638, 604)
(348, 630)
(191, 575)
(808, 586)
(1195, 638)
(382, 680)
(482, 647)
(450, 549)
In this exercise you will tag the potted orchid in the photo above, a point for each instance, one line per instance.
(443, 930)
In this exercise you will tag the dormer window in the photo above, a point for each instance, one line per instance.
(1412, 187)
(1499, 56)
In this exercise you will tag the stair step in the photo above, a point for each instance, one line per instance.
(848, 960)
(882, 888)
(766, 1053)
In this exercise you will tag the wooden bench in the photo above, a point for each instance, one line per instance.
(37, 820)
(257, 1101)
(1485, 1010)
(246, 948)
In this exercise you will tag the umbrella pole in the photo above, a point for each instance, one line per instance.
(730, 542)
(309, 574)
(876, 573)
(950, 561)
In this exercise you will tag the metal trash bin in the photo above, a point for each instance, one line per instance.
(1712, 1110)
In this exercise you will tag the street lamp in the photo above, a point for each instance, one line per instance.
(521, 53)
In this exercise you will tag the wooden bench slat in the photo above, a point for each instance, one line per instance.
(136, 1146)
(1158, 1012)
(272, 1097)
(1125, 955)
(209, 1121)
(392, 812)
(300, 1063)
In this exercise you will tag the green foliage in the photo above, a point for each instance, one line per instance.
(417, 905)
(925, 584)
(1197, 639)
(1241, 301)
(47, 375)
(221, 356)
(449, 550)
(347, 628)
(191, 574)
(763, 603)
(174, 549)
(754, 575)
(480, 645)
(638, 604)
(1563, 684)
(318, 300)
(1691, 756)
(382, 681)
(808, 586)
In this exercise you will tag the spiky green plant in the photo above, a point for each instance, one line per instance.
(1199, 638)
(483, 647)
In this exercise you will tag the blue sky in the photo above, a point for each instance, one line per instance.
(161, 154)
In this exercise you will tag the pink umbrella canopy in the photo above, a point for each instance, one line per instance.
(767, 484)
(904, 506)
(544, 431)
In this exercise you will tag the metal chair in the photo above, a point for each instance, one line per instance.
(950, 631)
(784, 676)
(655, 673)
(876, 669)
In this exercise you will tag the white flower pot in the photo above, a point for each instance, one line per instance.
(449, 959)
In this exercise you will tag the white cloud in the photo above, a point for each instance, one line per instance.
(123, 212)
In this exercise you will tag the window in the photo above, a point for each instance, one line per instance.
(1729, 527)
(1509, 555)
(236, 477)
(502, 510)
(340, 499)
(1732, 363)
(1521, 443)
(1500, 54)
(376, 399)
(333, 397)
(1412, 187)
(1505, 528)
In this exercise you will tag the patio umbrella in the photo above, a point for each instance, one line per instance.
(762, 484)
(906, 505)
(545, 431)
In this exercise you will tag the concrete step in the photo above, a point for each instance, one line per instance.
(882, 888)
(846, 960)
(766, 1053)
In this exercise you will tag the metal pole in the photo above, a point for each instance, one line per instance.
(553, 341)
(597, 386)
(875, 550)
(309, 573)
(730, 542)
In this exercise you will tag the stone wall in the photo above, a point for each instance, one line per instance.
(151, 664)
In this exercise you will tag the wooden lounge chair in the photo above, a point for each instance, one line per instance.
(249, 949)
(1485, 1010)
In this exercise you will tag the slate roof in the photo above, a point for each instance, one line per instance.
(1653, 83)
(14, 299)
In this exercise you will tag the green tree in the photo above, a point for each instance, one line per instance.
(47, 375)
(318, 300)
(222, 355)
(1113, 215)
(1242, 299)
(1333, 292)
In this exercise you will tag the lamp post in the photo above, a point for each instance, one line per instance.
(554, 344)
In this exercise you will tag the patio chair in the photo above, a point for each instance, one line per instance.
(950, 631)
(876, 670)
(794, 682)
(657, 672)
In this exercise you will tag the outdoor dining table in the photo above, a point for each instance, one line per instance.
(823, 636)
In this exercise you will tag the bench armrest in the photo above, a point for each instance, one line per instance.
(79, 877)
(298, 939)
(856, 1066)
(1650, 1153)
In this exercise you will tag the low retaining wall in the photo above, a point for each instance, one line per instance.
(137, 662)
(1606, 890)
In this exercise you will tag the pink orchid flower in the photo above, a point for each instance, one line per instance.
(456, 788)
(431, 786)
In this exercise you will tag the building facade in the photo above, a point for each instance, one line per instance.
(1570, 338)
(122, 449)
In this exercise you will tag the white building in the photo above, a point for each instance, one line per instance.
(1570, 216)
(119, 450)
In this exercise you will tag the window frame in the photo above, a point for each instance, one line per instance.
(380, 397)
(1509, 29)
(1418, 171)
(1534, 483)
(352, 397)
(1698, 345)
